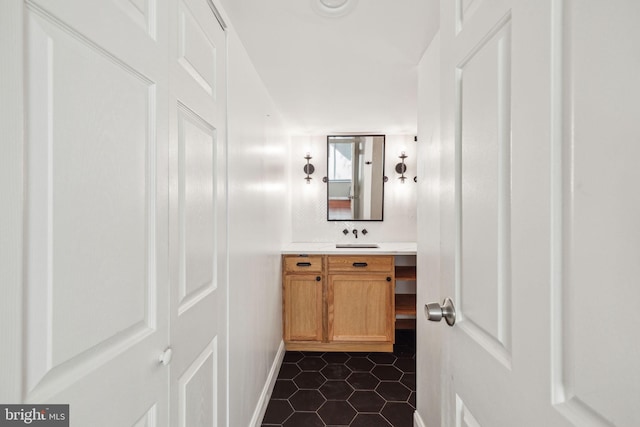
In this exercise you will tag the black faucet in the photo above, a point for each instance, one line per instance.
(355, 232)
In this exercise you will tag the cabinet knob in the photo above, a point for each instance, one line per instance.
(388, 279)
(318, 278)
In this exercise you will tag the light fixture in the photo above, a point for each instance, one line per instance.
(333, 4)
(308, 168)
(401, 167)
(333, 8)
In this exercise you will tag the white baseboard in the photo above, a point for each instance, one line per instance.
(417, 420)
(261, 407)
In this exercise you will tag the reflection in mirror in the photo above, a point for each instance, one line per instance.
(355, 172)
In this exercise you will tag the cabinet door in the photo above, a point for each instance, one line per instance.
(302, 314)
(361, 308)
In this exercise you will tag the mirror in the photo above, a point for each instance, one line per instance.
(355, 178)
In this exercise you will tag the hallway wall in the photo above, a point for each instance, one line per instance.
(257, 227)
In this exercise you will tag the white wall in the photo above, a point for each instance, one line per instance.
(258, 226)
(309, 201)
(428, 360)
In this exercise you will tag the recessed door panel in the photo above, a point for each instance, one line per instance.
(464, 417)
(464, 11)
(597, 355)
(95, 296)
(197, 390)
(148, 419)
(196, 51)
(484, 124)
(142, 12)
(196, 139)
(89, 147)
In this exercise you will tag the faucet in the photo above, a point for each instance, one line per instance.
(355, 232)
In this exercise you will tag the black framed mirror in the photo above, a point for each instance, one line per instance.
(355, 177)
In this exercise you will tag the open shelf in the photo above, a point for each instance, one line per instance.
(405, 323)
(406, 304)
(405, 272)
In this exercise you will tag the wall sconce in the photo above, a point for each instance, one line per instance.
(401, 168)
(308, 168)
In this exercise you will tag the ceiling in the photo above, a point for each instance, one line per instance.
(328, 74)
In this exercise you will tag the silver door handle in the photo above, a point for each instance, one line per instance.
(435, 311)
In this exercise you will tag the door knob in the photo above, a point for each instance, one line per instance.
(166, 356)
(435, 311)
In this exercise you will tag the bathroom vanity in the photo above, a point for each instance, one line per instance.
(338, 299)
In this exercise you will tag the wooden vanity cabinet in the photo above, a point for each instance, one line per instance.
(356, 309)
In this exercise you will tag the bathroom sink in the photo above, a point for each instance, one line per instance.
(356, 245)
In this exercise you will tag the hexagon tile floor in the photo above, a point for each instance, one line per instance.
(346, 389)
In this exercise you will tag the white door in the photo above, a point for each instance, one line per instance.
(94, 287)
(197, 220)
(540, 243)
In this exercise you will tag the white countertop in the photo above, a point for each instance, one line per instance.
(385, 248)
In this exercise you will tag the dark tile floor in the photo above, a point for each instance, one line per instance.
(346, 389)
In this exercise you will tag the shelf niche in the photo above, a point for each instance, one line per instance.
(405, 304)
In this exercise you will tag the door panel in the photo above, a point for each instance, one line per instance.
(148, 419)
(597, 233)
(198, 390)
(491, 85)
(538, 130)
(95, 290)
(196, 141)
(197, 214)
(484, 123)
(196, 51)
(464, 417)
(72, 188)
(142, 13)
